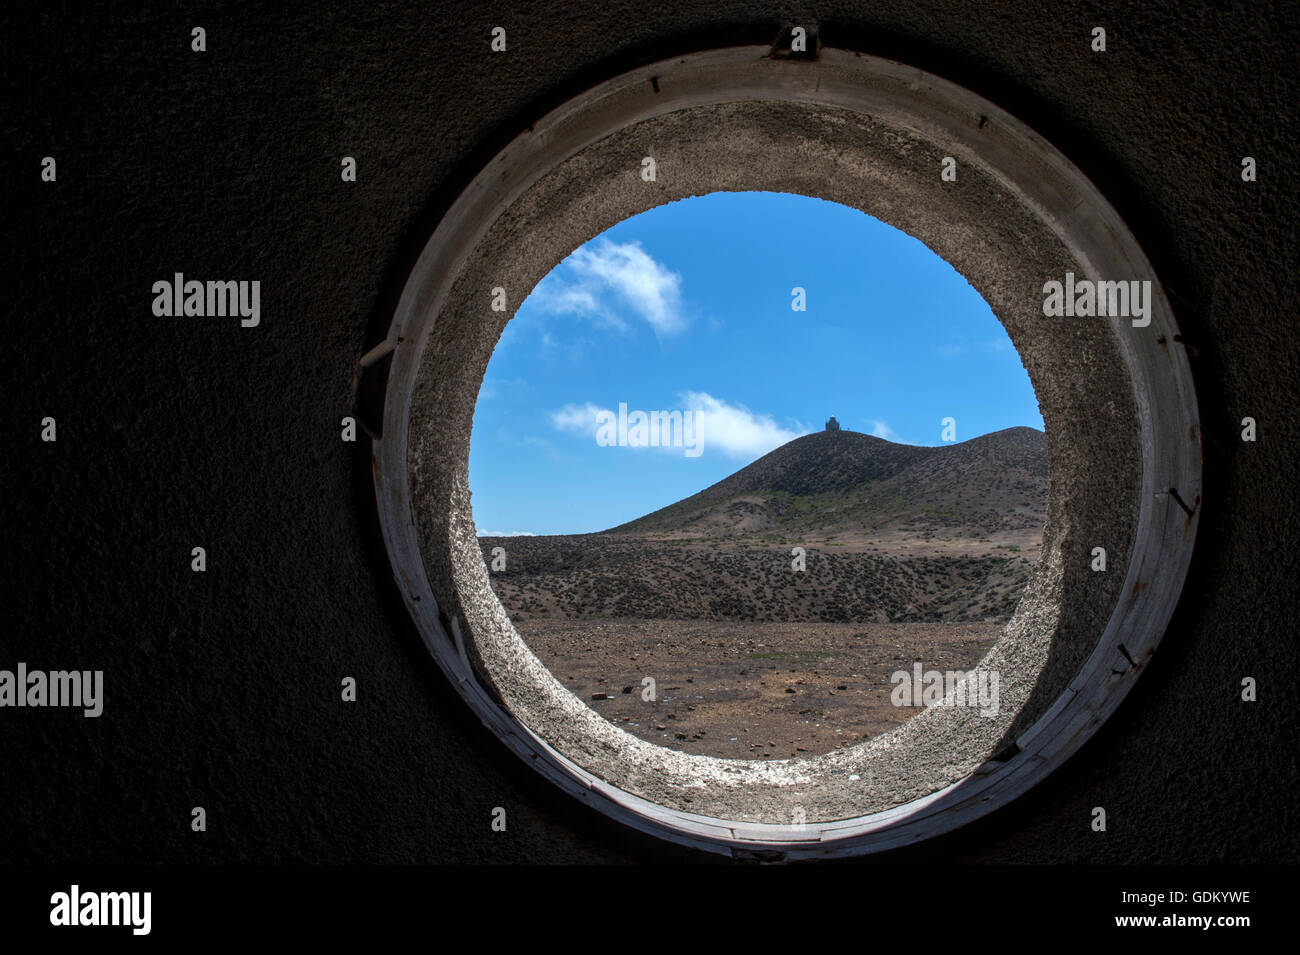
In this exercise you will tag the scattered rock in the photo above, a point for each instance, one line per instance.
(596, 655)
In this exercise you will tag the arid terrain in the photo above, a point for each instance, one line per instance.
(771, 608)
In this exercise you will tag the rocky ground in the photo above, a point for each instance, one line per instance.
(749, 691)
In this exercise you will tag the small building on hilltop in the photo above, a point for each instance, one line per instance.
(832, 424)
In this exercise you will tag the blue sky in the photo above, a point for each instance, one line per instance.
(687, 308)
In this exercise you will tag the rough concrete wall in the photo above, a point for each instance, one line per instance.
(222, 687)
(978, 227)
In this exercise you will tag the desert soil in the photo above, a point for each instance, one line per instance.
(749, 690)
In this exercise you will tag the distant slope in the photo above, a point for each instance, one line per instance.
(848, 482)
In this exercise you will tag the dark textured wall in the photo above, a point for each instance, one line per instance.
(222, 687)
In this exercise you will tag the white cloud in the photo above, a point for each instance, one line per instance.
(610, 274)
(506, 534)
(734, 430)
(881, 429)
(573, 300)
(580, 419)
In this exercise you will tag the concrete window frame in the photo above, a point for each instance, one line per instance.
(1117, 399)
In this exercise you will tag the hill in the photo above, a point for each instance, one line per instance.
(890, 533)
(848, 483)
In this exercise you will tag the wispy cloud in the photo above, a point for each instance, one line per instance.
(733, 429)
(578, 419)
(881, 429)
(603, 281)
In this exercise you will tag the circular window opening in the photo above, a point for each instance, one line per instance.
(1041, 246)
(684, 538)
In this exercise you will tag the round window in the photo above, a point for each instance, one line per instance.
(1059, 270)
